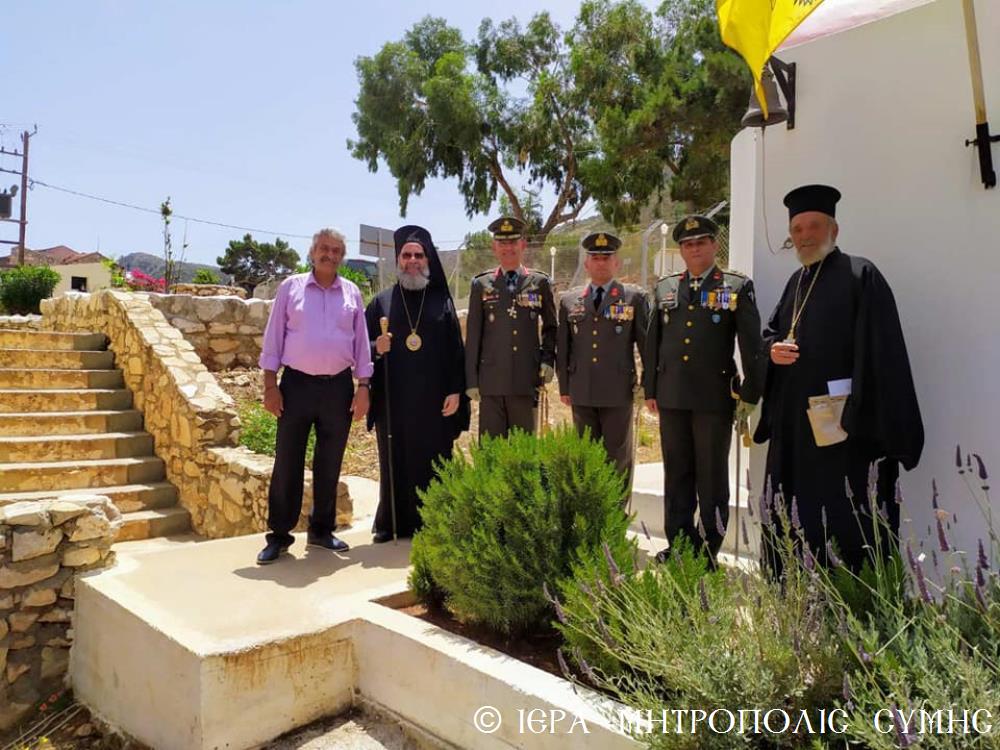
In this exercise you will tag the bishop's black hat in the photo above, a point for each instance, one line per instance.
(693, 227)
(507, 228)
(601, 243)
(822, 198)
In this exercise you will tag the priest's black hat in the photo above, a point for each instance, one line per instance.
(507, 228)
(601, 243)
(694, 226)
(822, 198)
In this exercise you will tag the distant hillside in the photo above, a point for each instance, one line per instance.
(153, 265)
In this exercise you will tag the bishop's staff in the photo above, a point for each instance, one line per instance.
(384, 324)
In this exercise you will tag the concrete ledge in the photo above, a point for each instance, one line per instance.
(240, 654)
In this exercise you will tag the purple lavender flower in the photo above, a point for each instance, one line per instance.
(545, 592)
(560, 615)
(883, 513)
(980, 578)
(749, 483)
(796, 523)
(743, 528)
(645, 530)
(934, 494)
(563, 666)
(981, 597)
(872, 479)
(822, 515)
(605, 633)
(864, 656)
(616, 576)
(831, 555)
(847, 692)
(847, 489)
(765, 512)
(587, 671)
(720, 527)
(918, 573)
(703, 595)
(898, 493)
(905, 740)
(934, 559)
(942, 539)
(982, 561)
(807, 558)
(983, 476)
(586, 589)
(958, 458)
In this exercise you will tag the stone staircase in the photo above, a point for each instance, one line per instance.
(67, 426)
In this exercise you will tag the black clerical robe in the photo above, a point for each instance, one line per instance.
(849, 328)
(418, 383)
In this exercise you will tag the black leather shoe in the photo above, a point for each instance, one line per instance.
(329, 542)
(271, 553)
(381, 537)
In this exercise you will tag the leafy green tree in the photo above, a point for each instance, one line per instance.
(250, 262)
(626, 106)
(665, 96)
(205, 276)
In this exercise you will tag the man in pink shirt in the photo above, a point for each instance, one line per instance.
(317, 333)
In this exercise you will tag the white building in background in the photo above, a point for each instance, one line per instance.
(884, 106)
(82, 272)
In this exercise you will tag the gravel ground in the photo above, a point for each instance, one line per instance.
(355, 731)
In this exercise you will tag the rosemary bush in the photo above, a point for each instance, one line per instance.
(515, 517)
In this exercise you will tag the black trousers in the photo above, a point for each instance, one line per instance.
(323, 402)
(612, 426)
(498, 415)
(696, 467)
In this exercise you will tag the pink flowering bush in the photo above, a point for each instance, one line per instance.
(137, 281)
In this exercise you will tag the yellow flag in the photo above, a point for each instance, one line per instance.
(756, 28)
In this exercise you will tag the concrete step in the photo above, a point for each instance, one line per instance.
(128, 498)
(19, 400)
(75, 447)
(27, 339)
(69, 475)
(69, 422)
(57, 358)
(52, 379)
(144, 524)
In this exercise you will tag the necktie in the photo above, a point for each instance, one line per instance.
(598, 297)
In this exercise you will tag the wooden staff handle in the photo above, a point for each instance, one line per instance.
(384, 325)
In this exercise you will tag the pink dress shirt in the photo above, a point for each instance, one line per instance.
(315, 330)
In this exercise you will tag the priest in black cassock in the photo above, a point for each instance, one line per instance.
(836, 331)
(425, 381)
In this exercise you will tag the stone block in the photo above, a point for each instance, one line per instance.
(79, 556)
(17, 574)
(25, 513)
(61, 511)
(57, 614)
(39, 598)
(90, 526)
(54, 662)
(30, 544)
(21, 621)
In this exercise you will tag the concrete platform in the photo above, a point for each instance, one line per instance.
(647, 505)
(190, 644)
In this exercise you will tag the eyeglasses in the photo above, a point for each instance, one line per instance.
(412, 256)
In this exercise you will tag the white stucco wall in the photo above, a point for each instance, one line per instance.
(883, 112)
(97, 276)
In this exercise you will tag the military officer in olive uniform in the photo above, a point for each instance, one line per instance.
(691, 379)
(601, 326)
(507, 357)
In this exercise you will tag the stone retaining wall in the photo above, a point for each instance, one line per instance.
(31, 322)
(226, 332)
(209, 290)
(193, 422)
(43, 545)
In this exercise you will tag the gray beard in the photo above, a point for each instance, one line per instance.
(413, 283)
(817, 254)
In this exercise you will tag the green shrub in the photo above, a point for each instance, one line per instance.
(259, 430)
(205, 276)
(23, 288)
(519, 514)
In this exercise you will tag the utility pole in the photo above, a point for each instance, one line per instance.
(23, 220)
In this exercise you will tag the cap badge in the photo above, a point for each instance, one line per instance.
(601, 241)
(691, 224)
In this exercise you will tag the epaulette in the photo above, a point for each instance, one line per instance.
(536, 270)
(484, 273)
(732, 272)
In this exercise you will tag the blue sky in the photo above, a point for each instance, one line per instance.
(240, 111)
